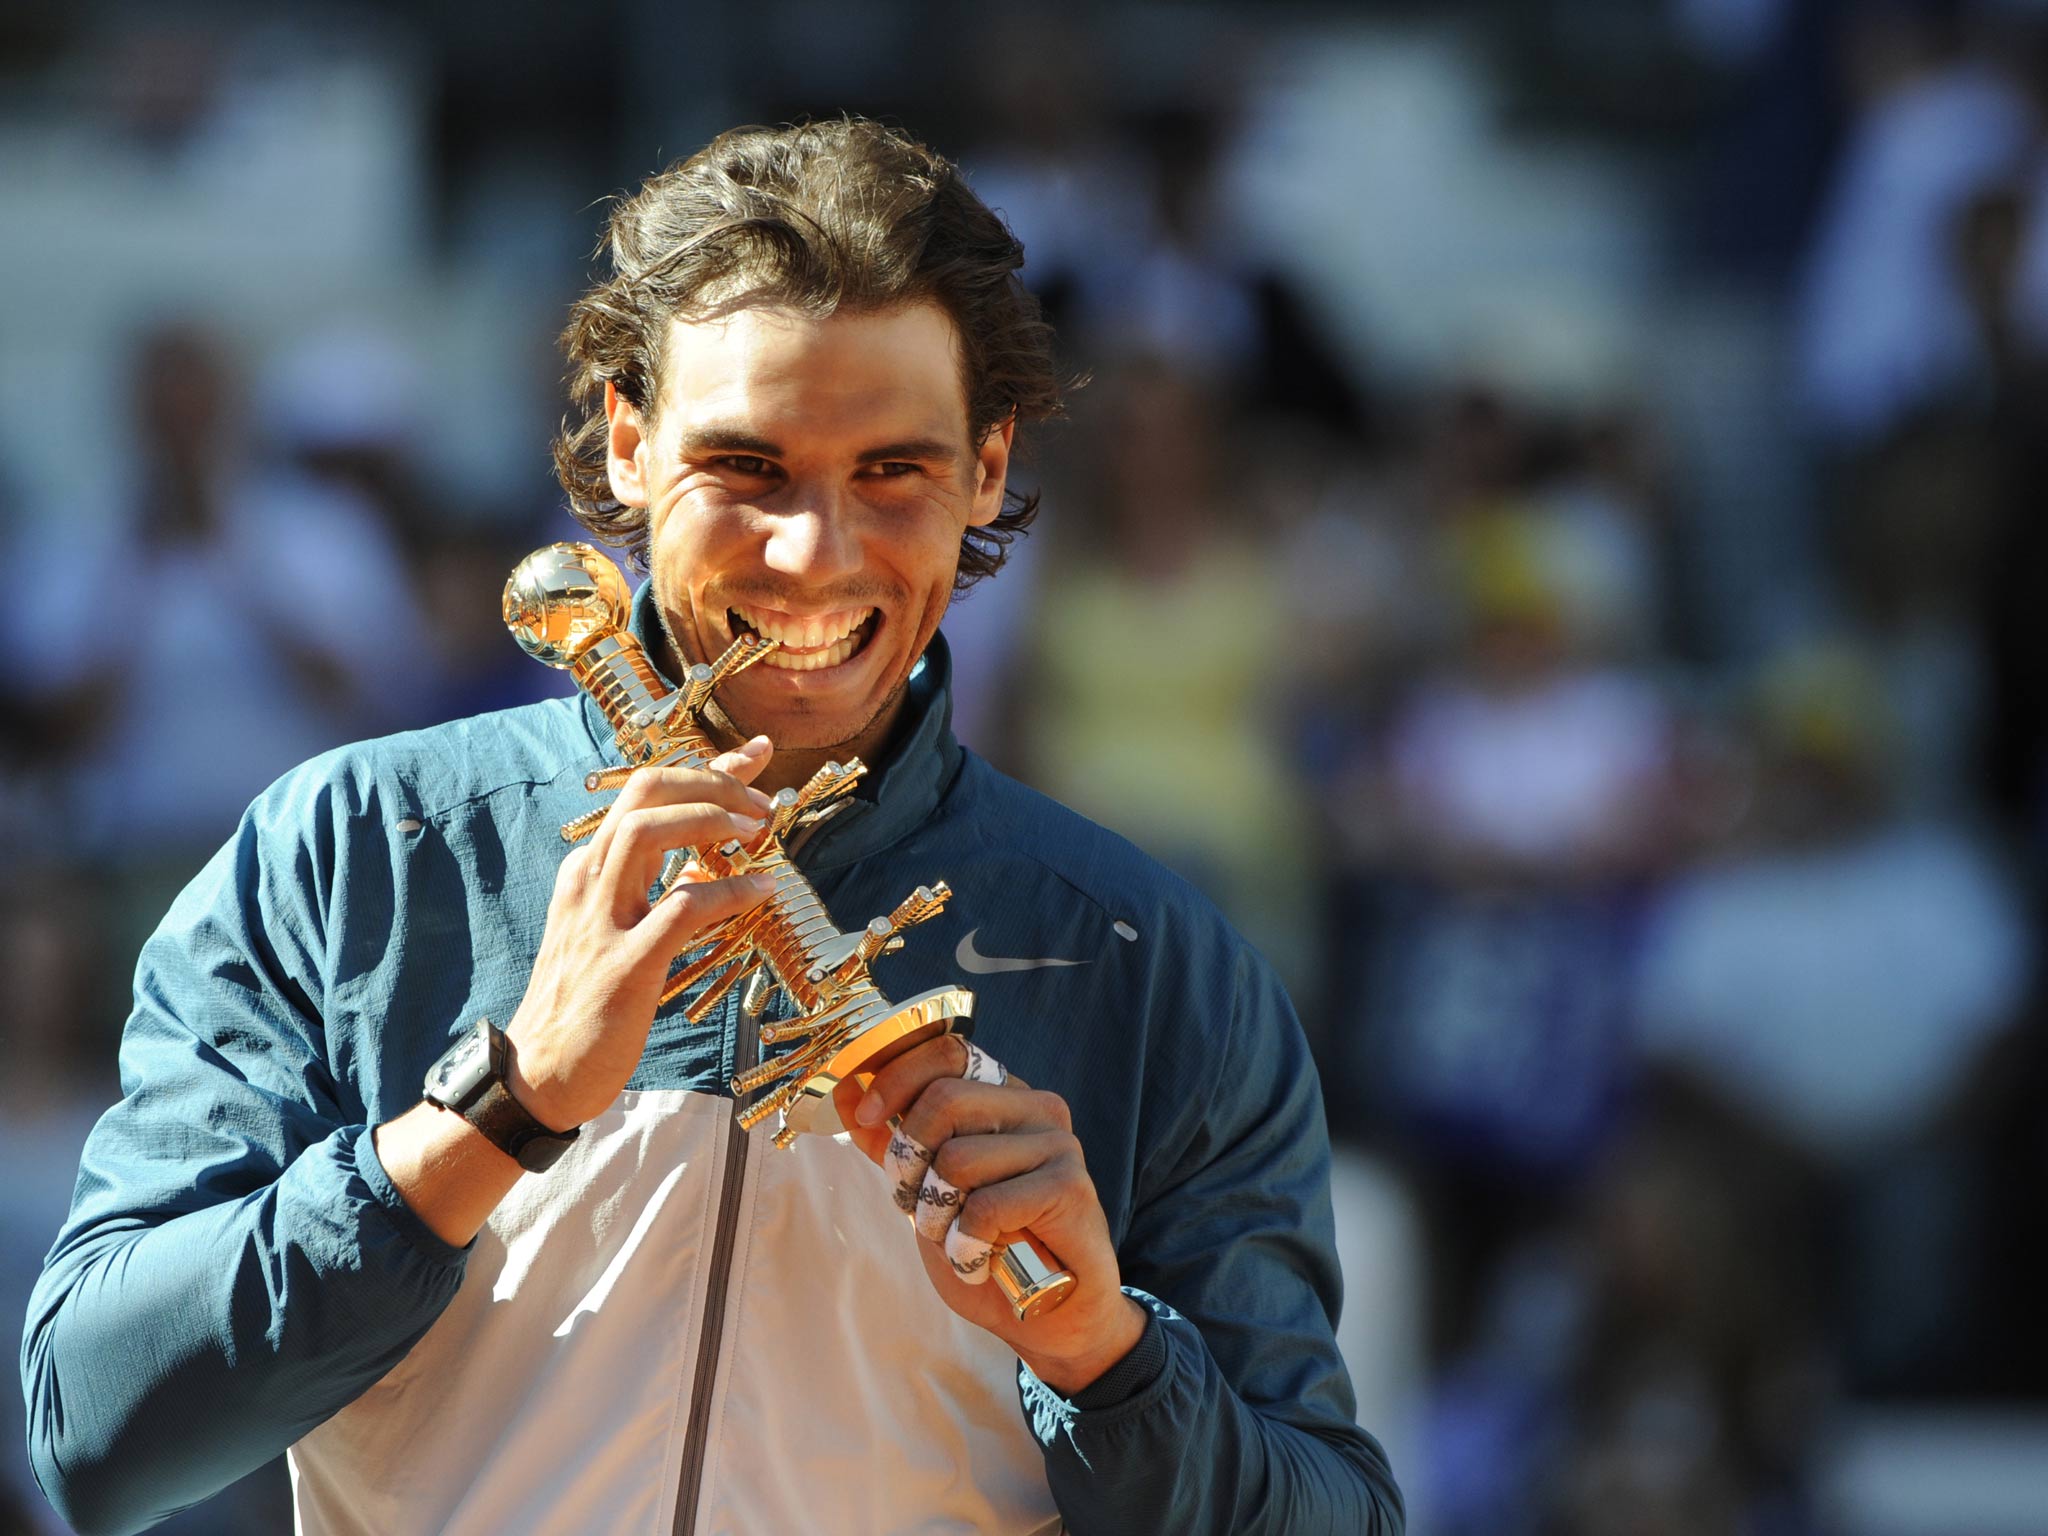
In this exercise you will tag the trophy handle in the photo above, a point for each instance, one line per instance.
(1027, 1281)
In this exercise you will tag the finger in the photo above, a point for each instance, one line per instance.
(745, 761)
(974, 1162)
(897, 1085)
(967, 1163)
(644, 837)
(954, 1107)
(969, 1255)
(905, 1161)
(1031, 1200)
(938, 1202)
(984, 1068)
(676, 786)
(688, 908)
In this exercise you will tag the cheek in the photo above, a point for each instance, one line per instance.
(695, 529)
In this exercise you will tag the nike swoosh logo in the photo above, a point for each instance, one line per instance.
(968, 958)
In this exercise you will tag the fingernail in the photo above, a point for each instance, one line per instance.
(869, 1109)
(758, 745)
(764, 883)
(759, 801)
(747, 826)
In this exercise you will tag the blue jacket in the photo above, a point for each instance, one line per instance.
(238, 1274)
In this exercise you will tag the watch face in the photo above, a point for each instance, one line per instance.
(462, 1070)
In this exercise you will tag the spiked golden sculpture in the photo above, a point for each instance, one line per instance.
(567, 605)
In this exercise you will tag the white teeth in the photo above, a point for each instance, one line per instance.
(809, 645)
(811, 661)
(807, 634)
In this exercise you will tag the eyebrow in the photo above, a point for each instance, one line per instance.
(727, 440)
(918, 448)
(721, 439)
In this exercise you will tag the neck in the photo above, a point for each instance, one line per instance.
(792, 767)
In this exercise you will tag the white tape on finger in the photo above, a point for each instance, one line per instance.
(938, 1202)
(984, 1068)
(968, 1255)
(905, 1162)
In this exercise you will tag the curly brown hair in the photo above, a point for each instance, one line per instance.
(819, 217)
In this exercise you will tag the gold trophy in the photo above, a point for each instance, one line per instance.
(567, 605)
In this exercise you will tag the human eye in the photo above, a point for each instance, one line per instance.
(893, 469)
(746, 464)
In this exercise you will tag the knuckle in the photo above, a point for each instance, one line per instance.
(1055, 1109)
(941, 1095)
(951, 1163)
(574, 877)
(629, 826)
(981, 1213)
(954, 1049)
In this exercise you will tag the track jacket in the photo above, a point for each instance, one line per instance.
(677, 1328)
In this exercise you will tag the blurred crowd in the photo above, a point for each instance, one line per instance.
(1658, 868)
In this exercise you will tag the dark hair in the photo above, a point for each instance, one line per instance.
(844, 214)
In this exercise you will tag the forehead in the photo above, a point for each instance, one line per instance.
(784, 374)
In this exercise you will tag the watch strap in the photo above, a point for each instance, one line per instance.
(504, 1122)
(489, 1105)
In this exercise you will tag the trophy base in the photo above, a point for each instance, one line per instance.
(925, 1017)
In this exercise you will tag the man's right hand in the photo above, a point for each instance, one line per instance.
(604, 958)
(580, 1030)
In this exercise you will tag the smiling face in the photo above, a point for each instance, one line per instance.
(809, 480)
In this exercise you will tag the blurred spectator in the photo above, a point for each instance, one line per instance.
(1885, 320)
(221, 631)
(988, 630)
(1521, 761)
(1164, 659)
(57, 1045)
(1073, 189)
(1131, 237)
(1522, 792)
(1838, 975)
(346, 408)
(1650, 1361)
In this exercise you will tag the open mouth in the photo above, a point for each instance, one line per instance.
(808, 644)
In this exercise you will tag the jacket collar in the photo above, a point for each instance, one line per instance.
(897, 795)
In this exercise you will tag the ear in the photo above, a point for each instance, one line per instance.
(991, 472)
(626, 451)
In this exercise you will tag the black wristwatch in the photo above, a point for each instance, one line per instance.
(470, 1079)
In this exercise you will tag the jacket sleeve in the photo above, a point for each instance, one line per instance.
(236, 1266)
(1235, 1413)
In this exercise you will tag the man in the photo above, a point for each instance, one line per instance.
(803, 382)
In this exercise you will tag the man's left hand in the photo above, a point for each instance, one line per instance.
(1010, 1152)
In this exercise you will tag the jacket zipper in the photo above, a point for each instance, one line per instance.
(725, 1233)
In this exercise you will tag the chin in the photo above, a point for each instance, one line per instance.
(795, 722)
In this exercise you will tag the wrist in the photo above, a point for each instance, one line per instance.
(1068, 1372)
(531, 1093)
(448, 1173)
(472, 1079)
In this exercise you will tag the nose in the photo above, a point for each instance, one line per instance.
(813, 542)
